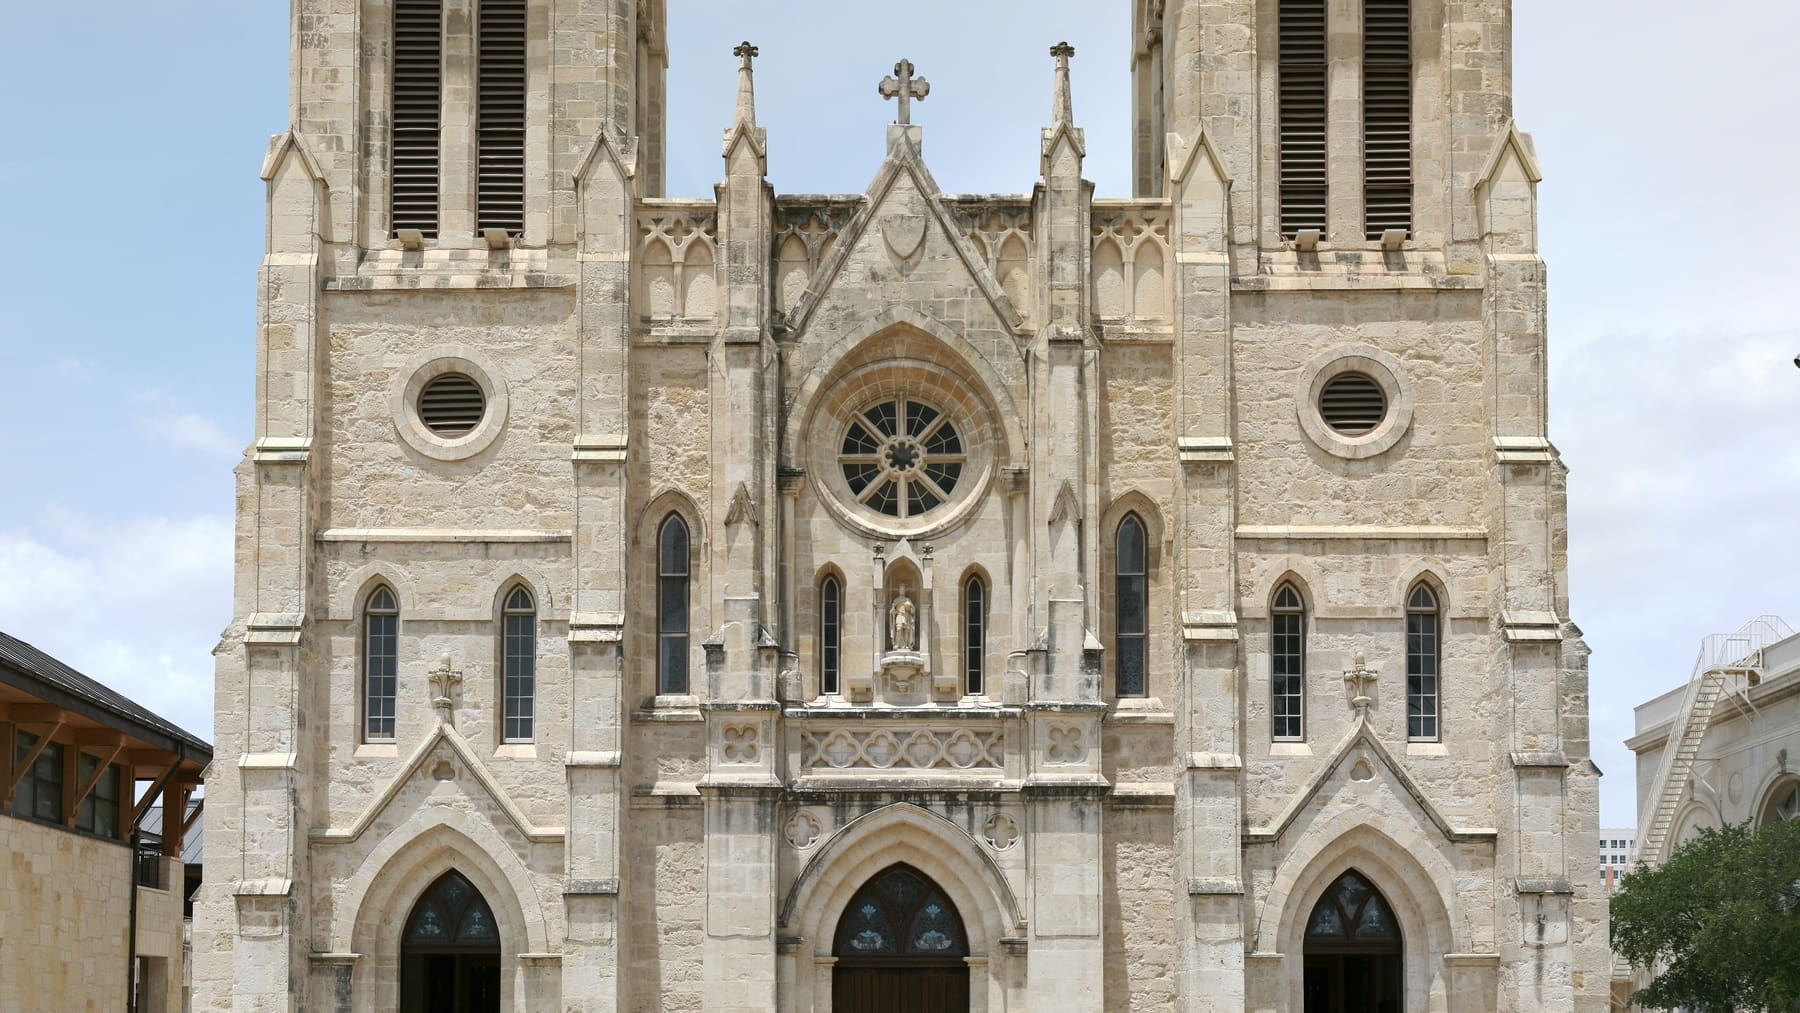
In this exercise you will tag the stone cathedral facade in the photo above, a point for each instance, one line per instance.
(901, 600)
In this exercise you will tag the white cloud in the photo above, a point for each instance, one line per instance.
(190, 431)
(167, 419)
(137, 605)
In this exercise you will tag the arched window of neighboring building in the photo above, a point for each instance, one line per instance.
(1287, 665)
(672, 579)
(1783, 805)
(381, 649)
(416, 115)
(831, 636)
(1424, 655)
(974, 636)
(519, 666)
(500, 117)
(1301, 74)
(1387, 116)
(1131, 606)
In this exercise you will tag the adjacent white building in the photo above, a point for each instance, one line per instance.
(1618, 853)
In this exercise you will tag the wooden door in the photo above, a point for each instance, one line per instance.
(877, 988)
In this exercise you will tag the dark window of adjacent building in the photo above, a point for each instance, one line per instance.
(975, 636)
(1387, 116)
(1131, 608)
(381, 631)
(1423, 657)
(672, 607)
(520, 666)
(500, 114)
(1301, 77)
(831, 635)
(40, 792)
(99, 811)
(1287, 664)
(417, 114)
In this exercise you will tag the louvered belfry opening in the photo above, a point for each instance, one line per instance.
(1302, 83)
(1387, 116)
(500, 129)
(417, 116)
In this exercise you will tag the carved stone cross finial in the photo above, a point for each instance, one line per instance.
(905, 87)
(444, 681)
(1358, 680)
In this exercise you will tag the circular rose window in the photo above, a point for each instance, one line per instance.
(902, 458)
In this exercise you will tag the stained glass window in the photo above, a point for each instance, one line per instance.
(1352, 914)
(1422, 662)
(901, 913)
(452, 916)
(1287, 664)
(902, 458)
(1131, 595)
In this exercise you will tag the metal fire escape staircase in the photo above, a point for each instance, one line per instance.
(1729, 663)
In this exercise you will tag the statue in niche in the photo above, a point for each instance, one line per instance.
(903, 623)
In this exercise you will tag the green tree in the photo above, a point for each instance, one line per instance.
(1719, 921)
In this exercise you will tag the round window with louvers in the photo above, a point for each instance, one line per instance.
(452, 405)
(1353, 404)
(902, 458)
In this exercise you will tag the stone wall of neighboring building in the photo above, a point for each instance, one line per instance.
(65, 909)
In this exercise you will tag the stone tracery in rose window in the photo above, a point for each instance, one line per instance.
(902, 457)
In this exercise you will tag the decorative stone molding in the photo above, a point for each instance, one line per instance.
(803, 830)
(1000, 832)
(410, 380)
(1065, 744)
(898, 749)
(1377, 365)
(740, 744)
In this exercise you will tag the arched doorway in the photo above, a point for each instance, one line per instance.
(900, 947)
(450, 955)
(1353, 951)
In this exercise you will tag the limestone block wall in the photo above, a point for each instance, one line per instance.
(65, 909)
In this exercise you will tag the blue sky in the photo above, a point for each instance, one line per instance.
(131, 134)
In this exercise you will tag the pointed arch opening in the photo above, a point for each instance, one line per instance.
(518, 666)
(831, 635)
(1354, 950)
(380, 663)
(974, 634)
(673, 574)
(1131, 606)
(900, 944)
(1424, 659)
(1287, 664)
(450, 951)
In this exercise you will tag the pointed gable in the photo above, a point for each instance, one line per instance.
(905, 246)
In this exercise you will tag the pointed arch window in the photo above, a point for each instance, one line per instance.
(452, 916)
(1424, 655)
(1387, 116)
(381, 635)
(416, 115)
(974, 636)
(672, 589)
(1287, 664)
(1131, 606)
(831, 636)
(519, 666)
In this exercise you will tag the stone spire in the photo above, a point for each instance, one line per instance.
(746, 91)
(1062, 106)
